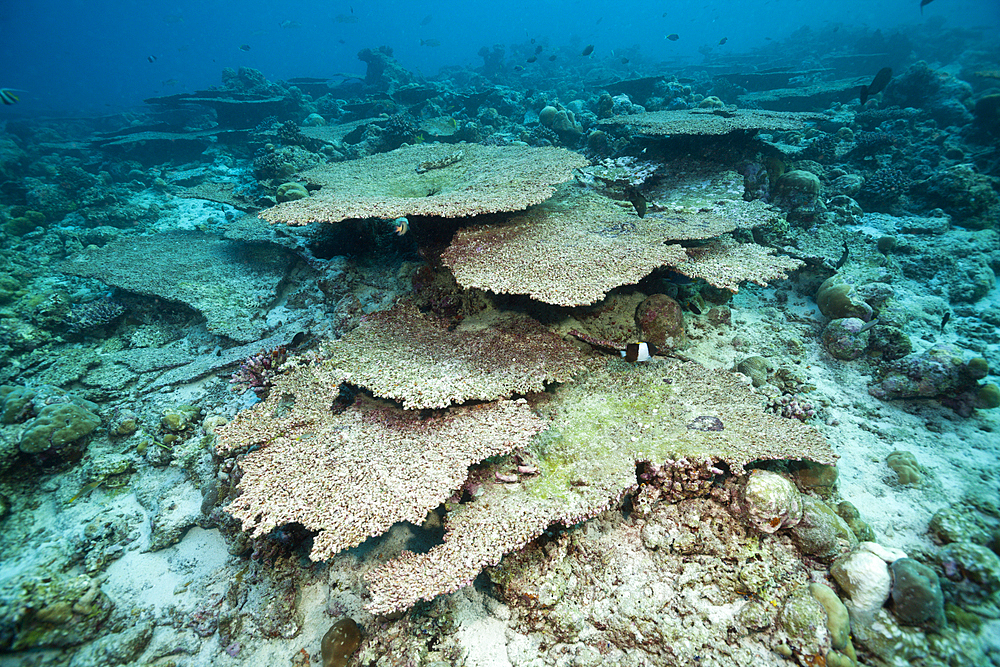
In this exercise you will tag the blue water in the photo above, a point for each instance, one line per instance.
(75, 57)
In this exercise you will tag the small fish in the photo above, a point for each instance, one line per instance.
(843, 258)
(638, 203)
(924, 2)
(8, 98)
(664, 15)
(151, 58)
(624, 60)
(169, 82)
(634, 352)
(427, 19)
(401, 225)
(723, 41)
(552, 59)
(519, 68)
(532, 59)
(244, 47)
(430, 42)
(877, 85)
(868, 325)
(538, 49)
(588, 50)
(532, 39)
(291, 25)
(87, 488)
(673, 37)
(947, 316)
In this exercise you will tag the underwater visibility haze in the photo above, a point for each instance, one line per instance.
(500, 334)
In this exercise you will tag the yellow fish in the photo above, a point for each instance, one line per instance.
(401, 225)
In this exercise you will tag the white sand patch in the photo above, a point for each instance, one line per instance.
(158, 580)
(483, 636)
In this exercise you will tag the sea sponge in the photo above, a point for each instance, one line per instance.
(866, 580)
(845, 338)
(971, 573)
(291, 192)
(661, 322)
(340, 642)
(798, 182)
(821, 532)
(977, 368)
(916, 594)
(988, 397)
(755, 368)
(769, 502)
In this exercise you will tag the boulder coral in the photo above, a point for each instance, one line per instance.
(845, 338)
(660, 320)
(838, 297)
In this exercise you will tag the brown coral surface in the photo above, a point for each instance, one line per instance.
(446, 180)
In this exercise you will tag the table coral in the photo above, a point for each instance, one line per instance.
(570, 251)
(576, 247)
(353, 475)
(420, 361)
(712, 121)
(485, 179)
(600, 427)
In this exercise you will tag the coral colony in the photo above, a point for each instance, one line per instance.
(570, 357)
